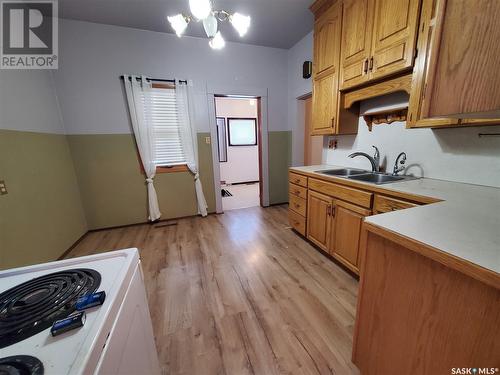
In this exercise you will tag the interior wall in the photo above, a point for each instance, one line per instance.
(41, 216)
(298, 87)
(242, 161)
(91, 93)
(455, 154)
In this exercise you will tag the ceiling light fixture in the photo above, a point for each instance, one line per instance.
(217, 42)
(202, 11)
(179, 23)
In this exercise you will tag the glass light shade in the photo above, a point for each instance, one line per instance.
(201, 9)
(217, 42)
(241, 23)
(178, 23)
(210, 25)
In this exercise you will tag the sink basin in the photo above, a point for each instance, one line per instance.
(343, 172)
(378, 178)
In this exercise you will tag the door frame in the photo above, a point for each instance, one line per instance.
(251, 93)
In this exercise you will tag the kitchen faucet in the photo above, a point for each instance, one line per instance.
(375, 160)
(401, 168)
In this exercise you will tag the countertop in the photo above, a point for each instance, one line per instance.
(465, 223)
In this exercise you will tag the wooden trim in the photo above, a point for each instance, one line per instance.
(171, 169)
(75, 244)
(163, 85)
(319, 6)
(371, 188)
(479, 273)
(401, 83)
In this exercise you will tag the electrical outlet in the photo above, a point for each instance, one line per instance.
(3, 188)
(207, 140)
(332, 143)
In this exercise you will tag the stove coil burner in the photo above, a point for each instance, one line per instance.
(21, 365)
(33, 306)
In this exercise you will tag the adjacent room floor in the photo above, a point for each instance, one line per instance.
(240, 293)
(242, 196)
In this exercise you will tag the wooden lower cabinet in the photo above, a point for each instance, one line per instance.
(345, 233)
(319, 219)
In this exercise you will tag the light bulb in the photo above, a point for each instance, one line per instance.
(178, 23)
(200, 8)
(217, 42)
(210, 25)
(241, 23)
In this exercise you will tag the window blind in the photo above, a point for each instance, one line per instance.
(160, 106)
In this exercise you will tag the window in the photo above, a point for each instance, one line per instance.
(161, 108)
(242, 131)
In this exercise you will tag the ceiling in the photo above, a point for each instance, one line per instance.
(275, 23)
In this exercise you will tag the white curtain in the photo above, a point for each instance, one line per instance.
(185, 107)
(138, 89)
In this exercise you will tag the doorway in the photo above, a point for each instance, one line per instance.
(238, 151)
(313, 144)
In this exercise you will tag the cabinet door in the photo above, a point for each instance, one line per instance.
(319, 208)
(395, 24)
(463, 77)
(426, 40)
(347, 221)
(326, 70)
(357, 22)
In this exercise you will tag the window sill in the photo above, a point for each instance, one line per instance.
(172, 169)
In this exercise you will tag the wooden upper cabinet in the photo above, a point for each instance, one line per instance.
(394, 35)
(319, 208)
(357, 20)
(327, 31)
(428, 35)
(463, 77)
(378, 39)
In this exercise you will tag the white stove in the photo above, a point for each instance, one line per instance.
(117, 337)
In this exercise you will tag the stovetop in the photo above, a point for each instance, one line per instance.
(33, 306)
(21, 365)
(77, 351)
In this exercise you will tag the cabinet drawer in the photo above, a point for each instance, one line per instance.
(297, 190)
(359, 197)
(385, 204)
(297, 222)
(298, 205)
(297, 179)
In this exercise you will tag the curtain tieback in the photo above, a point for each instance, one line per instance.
(196, 176)
(149, 180)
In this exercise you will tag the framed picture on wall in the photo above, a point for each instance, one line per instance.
(242, 131)
(221, 139)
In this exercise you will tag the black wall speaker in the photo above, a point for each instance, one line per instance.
(307, 68)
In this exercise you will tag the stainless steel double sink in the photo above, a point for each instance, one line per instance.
(365, 176)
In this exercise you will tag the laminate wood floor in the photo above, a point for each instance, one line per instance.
(240, 293)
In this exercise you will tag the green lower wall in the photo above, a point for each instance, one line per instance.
(113, 187)
(42, 215)
(280, 156)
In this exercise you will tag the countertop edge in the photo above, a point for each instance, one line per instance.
(464, 266)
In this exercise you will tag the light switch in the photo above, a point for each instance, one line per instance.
(207, 140)
(3, 188)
